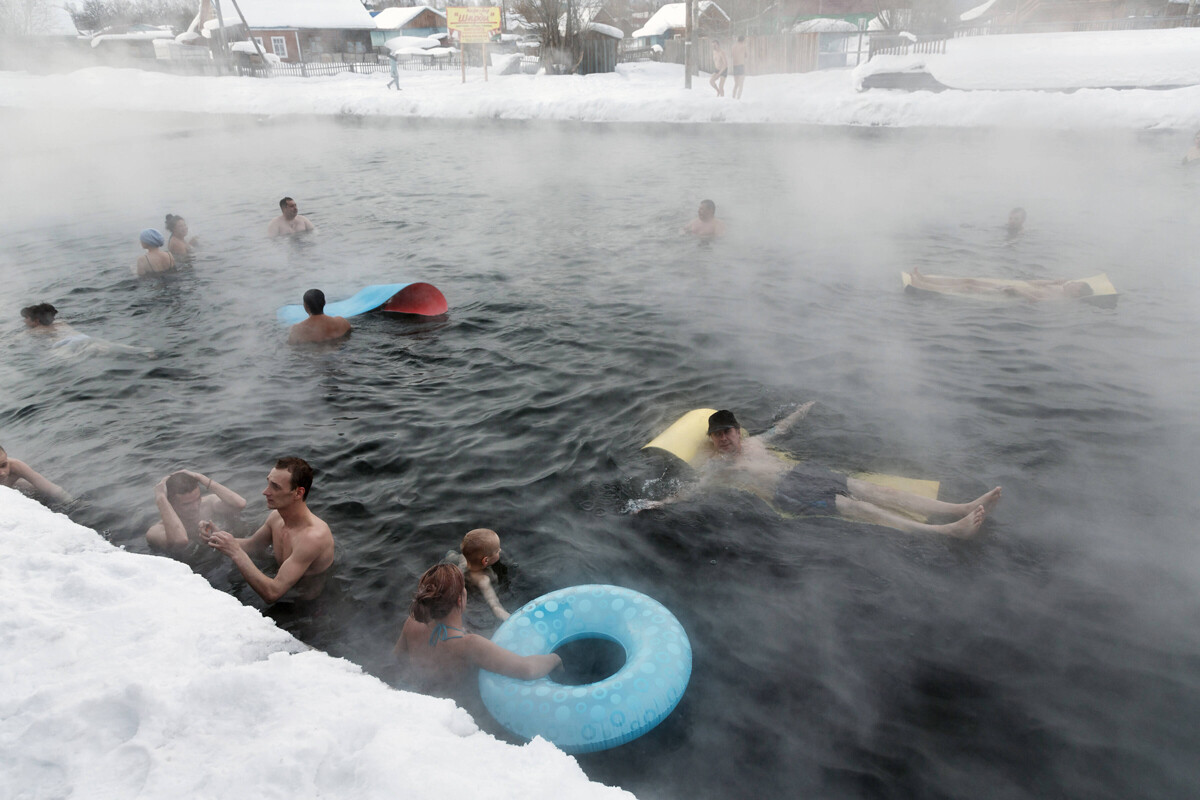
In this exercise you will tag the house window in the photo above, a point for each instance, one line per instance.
(279, 46)
(261, 46)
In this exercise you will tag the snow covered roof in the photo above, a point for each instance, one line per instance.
(674, 15)
(977, 11)
(396, 17)
(132, 36)
(328, 14)
(824, 25)
(606, 30)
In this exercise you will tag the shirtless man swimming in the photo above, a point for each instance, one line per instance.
(705, 225)
(1026, 290)
(746, 463)
(301, 542)
(318, 327)
(183, 507)
(290, 221)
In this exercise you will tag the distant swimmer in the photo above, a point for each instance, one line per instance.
(20, 476)
(183, 508)
(1193, 153)
(300, 541)
(720, 69)
(804, 489)
(66, 341)
(1033, 291)
(318, 327)
(478, 553)
(440, 653)
(706, 225)
(1016, 222)
(290, 221)
(737, 57)
(180, 245)
(155, 261)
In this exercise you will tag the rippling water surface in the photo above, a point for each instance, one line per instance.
(1058, 655)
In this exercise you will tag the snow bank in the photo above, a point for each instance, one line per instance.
(128, 676)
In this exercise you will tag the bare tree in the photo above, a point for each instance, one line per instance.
(557, 24)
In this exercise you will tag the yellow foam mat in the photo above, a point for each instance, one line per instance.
(1103, 292)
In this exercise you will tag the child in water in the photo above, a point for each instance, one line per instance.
(480, 549)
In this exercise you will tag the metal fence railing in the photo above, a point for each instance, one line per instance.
(310, 69)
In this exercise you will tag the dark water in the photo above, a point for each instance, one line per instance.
(1058, 655)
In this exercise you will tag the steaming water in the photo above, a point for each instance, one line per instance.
(1057, 655)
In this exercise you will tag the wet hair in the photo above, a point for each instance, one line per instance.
(181, 483)
(711, 205)
(42, 313)
(479, 543)
(170, 222)
(283, 202)
(437, 593)
(301, 472)
(314, 301)
(1078, 289)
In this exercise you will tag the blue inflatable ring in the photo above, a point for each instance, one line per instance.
(595, 716)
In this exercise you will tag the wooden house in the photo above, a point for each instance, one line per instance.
(670, 21)
(293, 30)
(418, 21)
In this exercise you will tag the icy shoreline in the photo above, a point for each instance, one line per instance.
(643, 92)
(129, 676)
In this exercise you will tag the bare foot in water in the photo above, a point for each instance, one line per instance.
(968, 526)
(988, 501)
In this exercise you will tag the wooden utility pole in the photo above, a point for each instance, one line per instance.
(688, 55)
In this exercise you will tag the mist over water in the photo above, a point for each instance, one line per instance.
(1056, 655)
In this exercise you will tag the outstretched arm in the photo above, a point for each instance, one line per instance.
(784, 425)
(484, 584)
(486, 654)
(40, 484)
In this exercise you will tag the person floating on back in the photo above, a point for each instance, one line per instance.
(806, 490)
(291, 221)
(318, 327)
(1033, 291)
(155, 261)
(705, 225)
(64, 340)
(20, 476)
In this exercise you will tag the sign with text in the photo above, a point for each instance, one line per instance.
(475, 24)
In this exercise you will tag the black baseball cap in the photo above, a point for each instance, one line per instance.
(722, 420)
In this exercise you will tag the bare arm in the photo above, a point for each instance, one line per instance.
(784, 425)
(484, 584)
(304, 553)
(234, 501)
(40, 484)
(486, 654)
(175, 534)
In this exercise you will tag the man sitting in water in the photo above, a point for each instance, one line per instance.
(803, 489)
(706, 225)
(318, 327)
(290, 221)
(301, 542)
(182, 508)
(1026, 290)
(20, 476)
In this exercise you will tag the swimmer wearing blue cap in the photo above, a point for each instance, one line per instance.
(155, 260)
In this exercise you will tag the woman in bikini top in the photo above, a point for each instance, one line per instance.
(439, 650)
(154, 261)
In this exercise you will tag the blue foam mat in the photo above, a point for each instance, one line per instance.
(366, 299)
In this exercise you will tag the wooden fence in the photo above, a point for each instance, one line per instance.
(765, 55)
